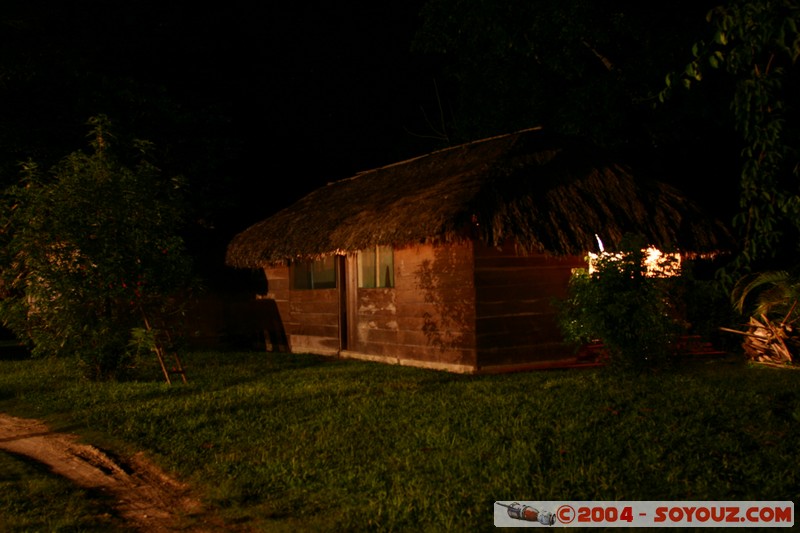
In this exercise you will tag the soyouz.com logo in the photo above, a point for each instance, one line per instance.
(644, 514)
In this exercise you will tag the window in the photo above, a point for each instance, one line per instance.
(376, 267)
(318, 274)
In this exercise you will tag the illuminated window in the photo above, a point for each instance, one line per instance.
(376, 267)
(318, 274)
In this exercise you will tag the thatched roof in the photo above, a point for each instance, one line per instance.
(546, 195)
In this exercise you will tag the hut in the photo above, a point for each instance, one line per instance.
(452, 260)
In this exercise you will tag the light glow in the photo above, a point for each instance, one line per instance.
(657, 263)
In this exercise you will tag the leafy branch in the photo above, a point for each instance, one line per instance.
(757, 43)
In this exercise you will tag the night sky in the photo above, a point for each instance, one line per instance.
(256, 103)
(290, 95)
(323, 92)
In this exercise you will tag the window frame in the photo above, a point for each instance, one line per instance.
(308, 269)
(378, 280)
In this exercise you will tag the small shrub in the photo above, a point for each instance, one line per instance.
(634, 315)
(772, 299)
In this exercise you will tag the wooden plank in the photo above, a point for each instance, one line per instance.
(368, 310)
(377, 336)
(428, 266)
(458, 312)
(277, 271)
(380, 349)
(313, 308)
(512, 308)
(521, 330)
(542, 352)
(516, 323)
(508, 250)
(420, 353)
(450, 340)
(314, 344)
(317, 330)
(511, 341)
(411, 323)
(519, 292)
(515, 277)
(329, 319)
(315, 295)
(278, 285)
(464, 281)
(459, 339)
(536, 261)
(310, 308)
(421, 298)
(277, 280)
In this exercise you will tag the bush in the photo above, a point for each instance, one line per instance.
(88, 251)
(634, 315)
(705, 305)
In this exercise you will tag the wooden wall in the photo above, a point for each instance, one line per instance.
(225, 320)
(307, 319)
(515, 319)
(463, 307)
(428, 318)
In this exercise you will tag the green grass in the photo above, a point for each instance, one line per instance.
(286, 442)
(33, 499)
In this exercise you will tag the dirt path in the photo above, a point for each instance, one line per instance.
(145, 496)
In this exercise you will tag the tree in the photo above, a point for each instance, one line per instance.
(577, 67)
(169, 72)
(756, 44)
(90, 251)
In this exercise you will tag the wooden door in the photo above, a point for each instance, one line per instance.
(347, 282)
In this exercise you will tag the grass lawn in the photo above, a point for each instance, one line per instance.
(33, 499)
(295, 442)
